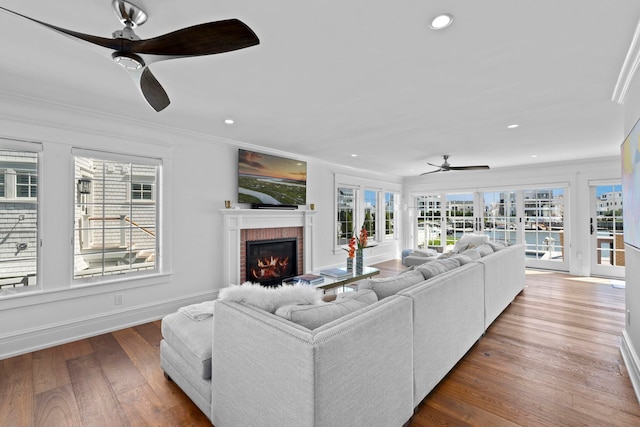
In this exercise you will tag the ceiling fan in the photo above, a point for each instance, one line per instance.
(135, 55)
(445, 167)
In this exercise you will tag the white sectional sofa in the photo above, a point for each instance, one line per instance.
(369, 362)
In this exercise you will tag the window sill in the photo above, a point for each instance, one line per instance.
(40, 296)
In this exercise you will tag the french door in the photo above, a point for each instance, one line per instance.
(606, 230)
(533, 217)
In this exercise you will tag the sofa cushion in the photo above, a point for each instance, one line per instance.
(497, 245)
(462, 258)
(446, 255)
(191, 340)
(412, 260)
(424, 252)
(485, 249)
(468, 241)
(363, 295)
(449, 263)
(387, 286)
(432, 269)
(312, 316)
(473, 254)
(270, 298)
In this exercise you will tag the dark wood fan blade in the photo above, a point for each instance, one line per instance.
(153, 91)
(203, 39)
(114, 44)
(468, 168)
(428, 173)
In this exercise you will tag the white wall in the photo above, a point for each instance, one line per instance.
(575, 174)
(199, 174)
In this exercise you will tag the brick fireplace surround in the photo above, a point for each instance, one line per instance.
(240, 225)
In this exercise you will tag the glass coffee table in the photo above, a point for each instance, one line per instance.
(330, 283)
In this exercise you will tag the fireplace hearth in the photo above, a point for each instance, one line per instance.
(269, 262)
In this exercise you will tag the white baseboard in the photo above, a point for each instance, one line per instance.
(632, 362)
(49, 335)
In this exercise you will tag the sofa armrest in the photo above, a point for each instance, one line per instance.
(268, 371)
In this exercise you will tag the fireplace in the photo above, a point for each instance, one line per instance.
(242, 225)
(269, 262)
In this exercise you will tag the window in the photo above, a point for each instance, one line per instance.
(114, 232)
(500, 216)
(18, 218)
(370, 204)
(141, 191)
(428, 221)
(26, 184)
(459, 216)
(389, 215)
(544, 223)
(345, 209)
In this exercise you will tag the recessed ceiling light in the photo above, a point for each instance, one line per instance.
(354, 155)
(513, 126)
(229, 121)
(533, 156)
(441, 21)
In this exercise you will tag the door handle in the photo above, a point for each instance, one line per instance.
(591, 229)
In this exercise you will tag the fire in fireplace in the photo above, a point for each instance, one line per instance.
(269, 262)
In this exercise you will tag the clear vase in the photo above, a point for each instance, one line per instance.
(359, 261)
(349, 264)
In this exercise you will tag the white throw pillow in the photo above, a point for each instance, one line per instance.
(270, 298)
(468, 241)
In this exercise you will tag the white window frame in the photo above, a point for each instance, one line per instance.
(394, 220)
(132, 159)
(360, 185)
(32, 281)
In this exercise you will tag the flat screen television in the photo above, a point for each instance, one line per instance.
(266, 180)
(631, 186)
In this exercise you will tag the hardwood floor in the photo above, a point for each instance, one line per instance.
(552, 358)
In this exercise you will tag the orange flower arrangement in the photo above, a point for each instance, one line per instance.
(352, 247)
(360, 242)
(363, 238)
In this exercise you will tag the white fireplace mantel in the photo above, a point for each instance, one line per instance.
(235, 220)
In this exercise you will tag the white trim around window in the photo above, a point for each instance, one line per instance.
(360, 186)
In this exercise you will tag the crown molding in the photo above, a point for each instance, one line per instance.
(629, 69)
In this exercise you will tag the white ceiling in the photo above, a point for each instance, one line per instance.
(334, 78)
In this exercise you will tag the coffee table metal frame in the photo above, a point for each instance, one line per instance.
(334, 282)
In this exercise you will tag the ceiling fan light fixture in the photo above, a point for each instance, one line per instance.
(128, 60)
(441, 21)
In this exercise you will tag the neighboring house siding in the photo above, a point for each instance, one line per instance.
(18, 220)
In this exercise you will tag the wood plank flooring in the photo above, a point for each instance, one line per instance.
(551, 359)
